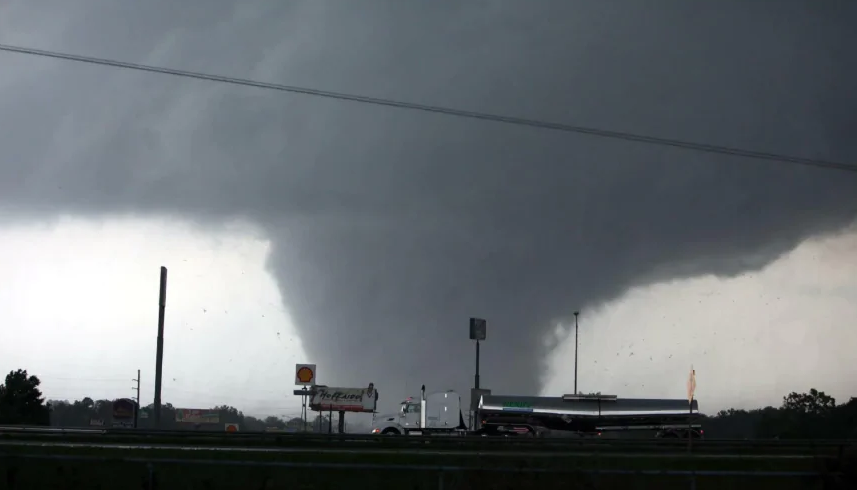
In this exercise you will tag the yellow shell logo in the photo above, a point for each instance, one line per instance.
(305, 374)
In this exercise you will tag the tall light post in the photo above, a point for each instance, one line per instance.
(478, 331)
(576, 314)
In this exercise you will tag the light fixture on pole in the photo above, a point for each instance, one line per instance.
(478, 331)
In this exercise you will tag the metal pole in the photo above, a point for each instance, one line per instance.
(475, 385)
(576, 313)
(690, 426)
(159, 356)
(303, 410)
(477, 366)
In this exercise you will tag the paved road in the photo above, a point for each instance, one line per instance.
(414, 451)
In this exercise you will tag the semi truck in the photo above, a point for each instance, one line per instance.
(497, 415)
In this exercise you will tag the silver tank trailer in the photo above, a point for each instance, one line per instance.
(586, 412)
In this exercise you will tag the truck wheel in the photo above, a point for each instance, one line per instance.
(390, 432)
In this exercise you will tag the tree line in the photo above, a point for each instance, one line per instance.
(88, 412)
(22, 403)
(811, 415)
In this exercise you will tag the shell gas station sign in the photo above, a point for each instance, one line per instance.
(305, 374)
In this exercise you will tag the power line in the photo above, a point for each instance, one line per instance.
(723, 150)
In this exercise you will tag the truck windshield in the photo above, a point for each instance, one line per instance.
(410, 408)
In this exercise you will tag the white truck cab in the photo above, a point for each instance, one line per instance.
(436, 413)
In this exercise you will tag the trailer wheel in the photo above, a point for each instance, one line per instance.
(390, 432)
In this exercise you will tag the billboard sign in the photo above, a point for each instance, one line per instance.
(197, 416)
(305, 374)
(123, 410)
(478, 329)
(326, 399)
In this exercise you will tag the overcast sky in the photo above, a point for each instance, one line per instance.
(85, 304)
(379, 231)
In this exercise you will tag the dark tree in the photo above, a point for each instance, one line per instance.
(812, 415)
(274, 423)
(230, 415)
(297, 424)
(815, 402)
(322, 424)
(252, 424)
(21, 400)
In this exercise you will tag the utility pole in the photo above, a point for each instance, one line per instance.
(137, 399)
(576, 314)
(159, 356)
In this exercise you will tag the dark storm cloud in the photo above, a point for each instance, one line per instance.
(390, 227)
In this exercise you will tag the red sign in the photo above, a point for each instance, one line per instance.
(197, 416)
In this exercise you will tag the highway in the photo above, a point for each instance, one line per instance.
(40, 456)
(365, 442)
(531, 453)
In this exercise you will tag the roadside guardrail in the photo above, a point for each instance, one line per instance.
(436, 442)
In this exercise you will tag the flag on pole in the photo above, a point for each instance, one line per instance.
(691, 385)
(691, 388)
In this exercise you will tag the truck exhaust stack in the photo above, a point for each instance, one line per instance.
(423, 407)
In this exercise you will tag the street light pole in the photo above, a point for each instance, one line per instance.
(476, 380)
(478, 331)
(576, 314)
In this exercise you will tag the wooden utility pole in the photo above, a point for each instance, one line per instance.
(159, 355)
(137, 399)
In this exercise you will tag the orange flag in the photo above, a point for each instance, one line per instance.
(691, 385)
